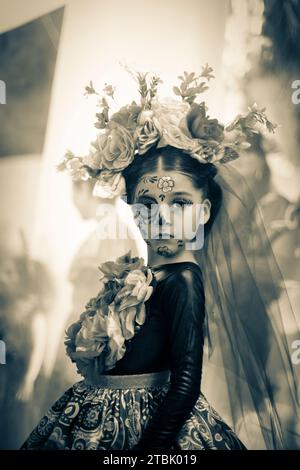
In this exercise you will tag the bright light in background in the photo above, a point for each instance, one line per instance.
(162, 37)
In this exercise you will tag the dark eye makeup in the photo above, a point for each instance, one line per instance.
(147, 202)
(182, 202)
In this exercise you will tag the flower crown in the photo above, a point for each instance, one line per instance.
(135, 128)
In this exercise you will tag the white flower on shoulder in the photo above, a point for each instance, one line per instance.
(142, 290)
(116, 339)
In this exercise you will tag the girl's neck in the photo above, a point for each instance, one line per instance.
(155, 260)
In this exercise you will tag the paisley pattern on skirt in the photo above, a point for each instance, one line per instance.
(88, 417)
(205, 429)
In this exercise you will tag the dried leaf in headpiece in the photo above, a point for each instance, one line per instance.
(137, 127)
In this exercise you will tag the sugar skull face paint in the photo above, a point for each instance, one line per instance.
(164, 206)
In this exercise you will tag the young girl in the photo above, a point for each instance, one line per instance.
(139, 344)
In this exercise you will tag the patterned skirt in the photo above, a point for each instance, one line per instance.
(113, 414)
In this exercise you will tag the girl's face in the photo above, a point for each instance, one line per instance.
(168, 210)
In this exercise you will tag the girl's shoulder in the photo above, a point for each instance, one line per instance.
(177, 280)
(178, 289)
(185, 270)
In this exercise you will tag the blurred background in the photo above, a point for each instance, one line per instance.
(49, 248)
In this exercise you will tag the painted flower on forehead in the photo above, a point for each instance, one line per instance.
(166, 183)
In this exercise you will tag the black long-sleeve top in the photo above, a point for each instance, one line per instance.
(171, 338)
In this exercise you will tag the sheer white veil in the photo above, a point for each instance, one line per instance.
(248, 369)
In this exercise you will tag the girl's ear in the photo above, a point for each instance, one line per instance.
(206, 207)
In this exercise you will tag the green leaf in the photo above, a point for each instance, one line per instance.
(177, 91)
(183, 87)
(207, 72)
(61, 166)
(191, 76)
(100, 125)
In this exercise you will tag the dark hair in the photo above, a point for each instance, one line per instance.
(171, 158)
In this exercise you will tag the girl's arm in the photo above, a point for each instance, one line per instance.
(183, 303)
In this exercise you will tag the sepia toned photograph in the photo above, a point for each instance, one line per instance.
(149, 229)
